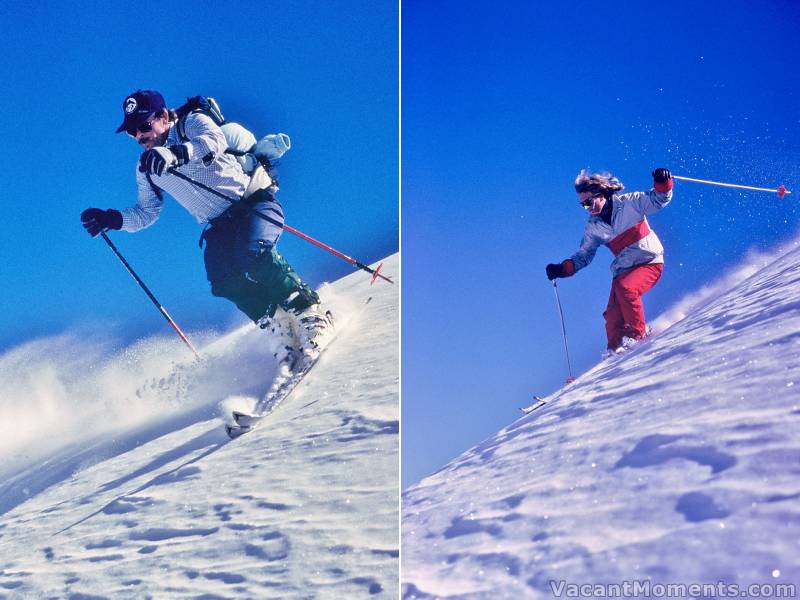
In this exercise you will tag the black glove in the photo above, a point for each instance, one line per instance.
(96, 220)
(159, 159)
(554, 271)
(661, 175)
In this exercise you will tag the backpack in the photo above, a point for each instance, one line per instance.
(241, 143)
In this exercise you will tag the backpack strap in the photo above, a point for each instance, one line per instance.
(235, 152)
(203, 104)
(180, 127)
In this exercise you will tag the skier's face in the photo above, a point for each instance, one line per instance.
(594, 204)
(155, 134)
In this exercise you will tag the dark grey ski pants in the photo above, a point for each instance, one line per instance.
(243, 265)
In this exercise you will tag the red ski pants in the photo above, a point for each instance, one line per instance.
(625, 314)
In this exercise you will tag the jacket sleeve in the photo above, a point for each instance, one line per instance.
(646, 203)
(588, 248)
(147, 208)
(205, 137)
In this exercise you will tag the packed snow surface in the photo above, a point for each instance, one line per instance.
(677, 463)
(118, 480)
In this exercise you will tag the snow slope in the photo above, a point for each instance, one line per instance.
(166, 506)
(676, 464)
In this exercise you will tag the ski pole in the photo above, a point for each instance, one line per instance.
(780, 190)
(374, 272)
(570, 379)
(150, 295)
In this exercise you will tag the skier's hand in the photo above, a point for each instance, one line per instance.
(95, 220)
(662, 180)
(661, 175)
(554, 271)
(156, 160)
(563, 269)
(159, 159)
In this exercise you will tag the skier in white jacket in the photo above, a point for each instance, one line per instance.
(241, 259)
(619, 221)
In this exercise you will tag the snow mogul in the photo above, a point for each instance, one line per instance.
(241, 260)
(619, 221)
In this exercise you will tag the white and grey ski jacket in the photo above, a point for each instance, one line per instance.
(208, 164)
(629, 236)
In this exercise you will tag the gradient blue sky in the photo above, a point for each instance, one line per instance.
(503, 104)
(323, 72)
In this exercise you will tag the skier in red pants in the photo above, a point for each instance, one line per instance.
(619, 221)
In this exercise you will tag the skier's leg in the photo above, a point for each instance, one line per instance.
(632, 286)
(613, 317)
(278, 283)
(226, 279)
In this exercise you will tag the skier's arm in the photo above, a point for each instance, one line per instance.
(649, 202)
(586, 252)
(584, 255)
(147, 208)
(205, 137)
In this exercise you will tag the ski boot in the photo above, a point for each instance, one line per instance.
(314, 329)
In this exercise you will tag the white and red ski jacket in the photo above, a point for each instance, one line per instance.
(629, 236)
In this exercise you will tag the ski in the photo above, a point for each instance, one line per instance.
(644, 342)
(539, 403)
(234, 431)
(245, 422)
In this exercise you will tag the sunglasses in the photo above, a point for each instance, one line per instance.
(587, 204)
(143, 128)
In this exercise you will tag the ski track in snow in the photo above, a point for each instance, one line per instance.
(676, 463)
(305, 506)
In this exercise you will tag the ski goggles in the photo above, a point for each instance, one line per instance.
(145, 127)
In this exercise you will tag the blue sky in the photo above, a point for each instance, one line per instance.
(503, 104)
(325, 73)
